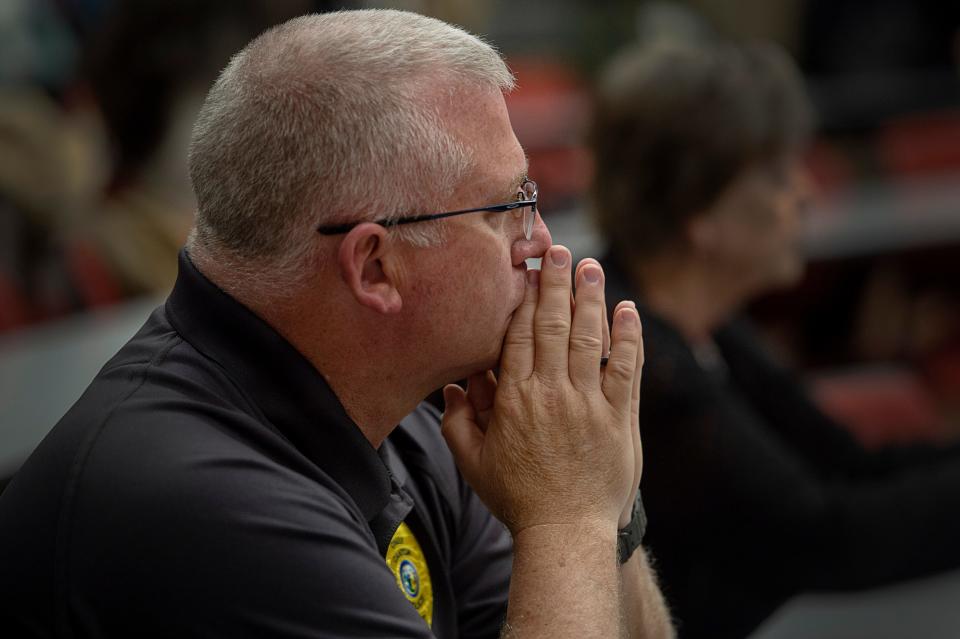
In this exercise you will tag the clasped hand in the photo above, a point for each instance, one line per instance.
(555, 440)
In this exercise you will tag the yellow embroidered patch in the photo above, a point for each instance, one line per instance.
(405, 559)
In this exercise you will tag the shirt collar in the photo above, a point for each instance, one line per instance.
(292, 394)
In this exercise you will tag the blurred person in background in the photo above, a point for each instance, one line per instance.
(755, 495)
(147, 68)
(53, 160)
(95, 112)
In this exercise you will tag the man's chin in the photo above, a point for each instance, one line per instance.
(476, 368)
(489, 363)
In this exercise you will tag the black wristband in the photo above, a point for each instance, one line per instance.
(630, 536)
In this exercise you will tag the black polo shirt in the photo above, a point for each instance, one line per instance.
(209, 483)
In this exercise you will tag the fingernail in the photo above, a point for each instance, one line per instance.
(592, 274)
(628, 317)
(533, 278)
(447, 391)
(558, 257)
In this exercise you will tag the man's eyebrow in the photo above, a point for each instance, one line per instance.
(520, 177)
(515, 183)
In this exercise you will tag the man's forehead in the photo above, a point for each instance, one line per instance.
(478, 118)
(469, 110)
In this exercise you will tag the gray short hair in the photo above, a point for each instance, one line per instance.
(321, 119)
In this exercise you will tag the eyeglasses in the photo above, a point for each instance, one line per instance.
(524, 208)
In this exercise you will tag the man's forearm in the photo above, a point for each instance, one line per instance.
(565, 583)
(645, 613)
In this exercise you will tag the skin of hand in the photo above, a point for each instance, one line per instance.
(555, 440)
(627, 512)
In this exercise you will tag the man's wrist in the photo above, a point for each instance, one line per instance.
(630, 536)
(586, 528)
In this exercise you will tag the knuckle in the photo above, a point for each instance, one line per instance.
(589, 295)
(627, 339)
(552, 322)
(555, 281)
(585, 342)
(516, 341)
(551, 386)
(588, 308)
(620, 369)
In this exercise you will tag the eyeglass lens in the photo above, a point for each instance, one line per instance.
(528, 191)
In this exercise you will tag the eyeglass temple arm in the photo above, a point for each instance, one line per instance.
(337, 229)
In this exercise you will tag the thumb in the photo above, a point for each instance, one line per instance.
(461, 432)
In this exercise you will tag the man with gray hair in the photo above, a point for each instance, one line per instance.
(256, 460)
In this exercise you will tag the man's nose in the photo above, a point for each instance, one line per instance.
(536, 246)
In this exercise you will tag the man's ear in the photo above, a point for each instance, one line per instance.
(361, 261)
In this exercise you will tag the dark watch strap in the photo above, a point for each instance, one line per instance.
(630, 536)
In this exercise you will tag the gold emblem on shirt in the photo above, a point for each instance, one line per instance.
(405, 559)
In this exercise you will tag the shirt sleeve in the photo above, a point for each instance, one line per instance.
(482, 561)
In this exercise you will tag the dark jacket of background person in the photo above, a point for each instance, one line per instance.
(754, 495)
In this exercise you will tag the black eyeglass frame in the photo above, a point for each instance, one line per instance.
(338, 229)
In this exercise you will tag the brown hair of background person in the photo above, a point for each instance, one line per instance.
(145, 70)
(675, 126)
